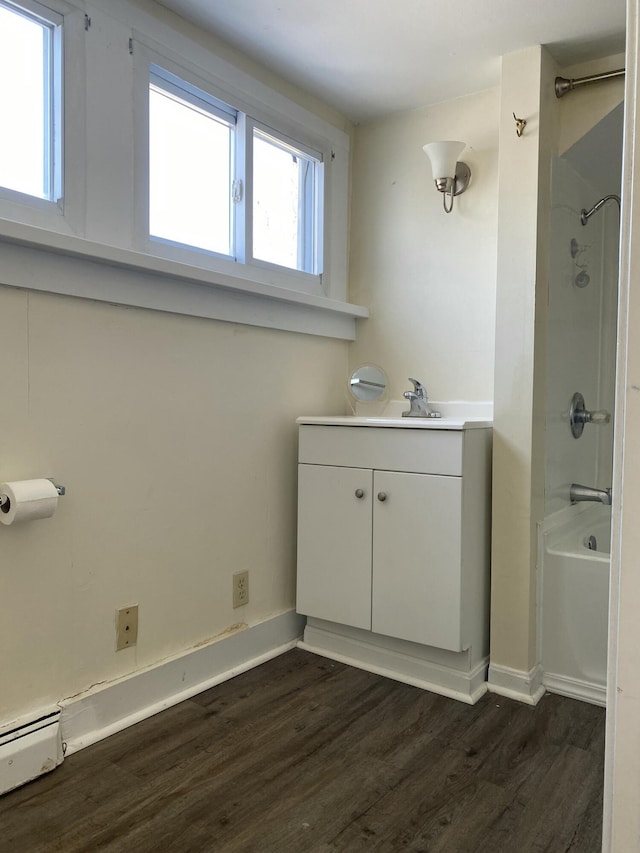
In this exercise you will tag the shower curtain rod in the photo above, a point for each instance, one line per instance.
(563, 85)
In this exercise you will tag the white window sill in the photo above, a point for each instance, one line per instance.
(39, 259)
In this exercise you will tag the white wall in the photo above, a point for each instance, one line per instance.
(518, 436)
(176, 440)
(428, 277)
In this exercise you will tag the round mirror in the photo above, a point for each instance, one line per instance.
(368, 383)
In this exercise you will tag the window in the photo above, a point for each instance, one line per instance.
(30, 100)
(286, 202)
(224, 183)
(187, 183)
(191, 144)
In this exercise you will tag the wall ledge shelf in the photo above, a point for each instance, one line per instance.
(39, 259)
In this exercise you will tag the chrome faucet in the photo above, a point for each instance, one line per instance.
(587, 493)
(419, 401)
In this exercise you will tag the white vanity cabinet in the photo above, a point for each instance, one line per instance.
(393, 531)
(334, 543)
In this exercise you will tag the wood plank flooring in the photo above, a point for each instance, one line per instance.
(305, 754)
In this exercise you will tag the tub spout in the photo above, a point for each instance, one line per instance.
(587, 493)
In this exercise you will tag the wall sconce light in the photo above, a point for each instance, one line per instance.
(451, 177)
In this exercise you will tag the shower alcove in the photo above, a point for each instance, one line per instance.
(573, 547)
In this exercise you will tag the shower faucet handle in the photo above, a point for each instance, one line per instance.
(579, 415)
(599, 417)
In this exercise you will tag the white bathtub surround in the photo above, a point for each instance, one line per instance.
(29, 748)
(582, 314)
(574, 601)
(573, 581)
(516, 684)
(109, 708)
(458, 675)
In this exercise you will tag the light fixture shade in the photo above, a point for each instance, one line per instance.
(443, 156)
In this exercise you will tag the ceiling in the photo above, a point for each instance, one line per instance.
(369, 58)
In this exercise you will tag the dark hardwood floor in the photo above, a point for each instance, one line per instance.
(305, 754)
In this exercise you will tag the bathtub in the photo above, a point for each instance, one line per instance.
(574, 602)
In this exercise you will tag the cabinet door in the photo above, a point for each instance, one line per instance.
(417, 558)
(334, 544)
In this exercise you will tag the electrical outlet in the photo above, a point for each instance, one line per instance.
(240, 589)
(126, 627)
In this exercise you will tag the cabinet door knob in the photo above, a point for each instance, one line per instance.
(382, 496)
(359, 493)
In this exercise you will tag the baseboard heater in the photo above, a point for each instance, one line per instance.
(28, 749)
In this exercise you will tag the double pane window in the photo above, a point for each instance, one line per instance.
(222, 183)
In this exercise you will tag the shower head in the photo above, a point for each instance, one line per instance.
(585, 214)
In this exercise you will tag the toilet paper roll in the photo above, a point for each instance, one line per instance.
(28, 500)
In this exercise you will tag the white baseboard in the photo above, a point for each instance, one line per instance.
(587, 691)
(29, 749)
(398, 660)
(102, 711)
(524, 686)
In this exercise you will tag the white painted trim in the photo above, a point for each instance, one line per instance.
(110, 708)
(54, 263)
(523, 686)
(587, 691)
(393, 662)
(620, 818)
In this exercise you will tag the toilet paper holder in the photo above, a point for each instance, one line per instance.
(61, 490)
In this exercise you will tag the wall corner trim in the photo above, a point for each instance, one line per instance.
(98, 713)
(525, 687)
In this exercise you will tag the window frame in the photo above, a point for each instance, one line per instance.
(251, 112)
(66, 214)
(53, 129)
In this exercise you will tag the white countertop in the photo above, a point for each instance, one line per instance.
(456, 415)
(397, 423)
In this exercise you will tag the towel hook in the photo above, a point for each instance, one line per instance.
(521, 123)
